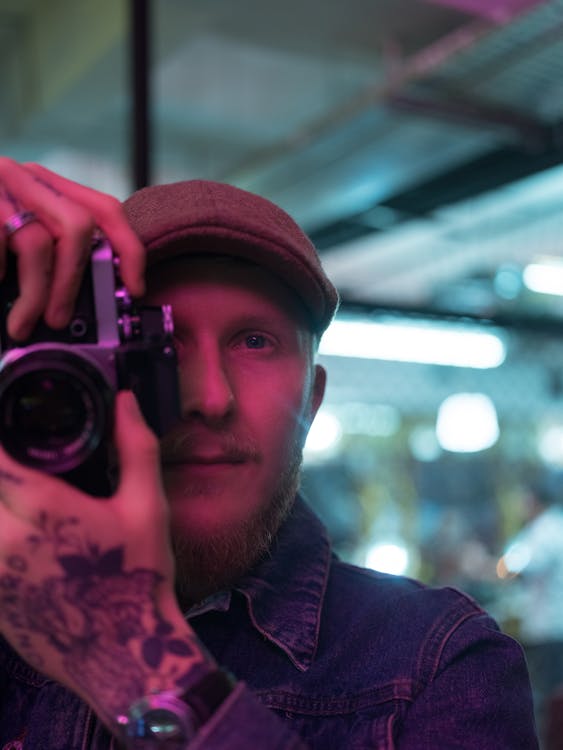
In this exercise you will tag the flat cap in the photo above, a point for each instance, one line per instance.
(202, 216)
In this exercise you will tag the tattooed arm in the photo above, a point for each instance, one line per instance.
(86, 586)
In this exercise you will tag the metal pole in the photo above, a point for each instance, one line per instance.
(140, 73)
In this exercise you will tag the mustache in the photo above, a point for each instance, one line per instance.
(183, 445)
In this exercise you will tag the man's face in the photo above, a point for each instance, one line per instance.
(249, 391)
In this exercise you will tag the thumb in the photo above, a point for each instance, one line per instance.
(137, 449)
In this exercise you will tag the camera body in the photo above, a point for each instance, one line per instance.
(57, 390)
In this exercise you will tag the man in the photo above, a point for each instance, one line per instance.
(260, 638)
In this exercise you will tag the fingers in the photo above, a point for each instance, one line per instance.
(33, 244)
(34, 249)
(69, 227)
(69, 263)
(53, 251)
(137, 449)
(140, 499)
(109, 217)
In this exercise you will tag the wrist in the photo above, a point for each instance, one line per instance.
(169, 720)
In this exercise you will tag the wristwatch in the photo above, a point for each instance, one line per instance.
(166, 721)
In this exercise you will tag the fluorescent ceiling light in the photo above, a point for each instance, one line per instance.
(544, 277)
(423, 342)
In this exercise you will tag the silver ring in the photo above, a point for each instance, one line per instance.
(17, 221)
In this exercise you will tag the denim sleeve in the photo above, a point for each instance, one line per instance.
(242, 723)
(476, 694)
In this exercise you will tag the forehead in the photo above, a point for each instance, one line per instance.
(184, 276)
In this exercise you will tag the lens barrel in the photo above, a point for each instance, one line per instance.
(55, 408)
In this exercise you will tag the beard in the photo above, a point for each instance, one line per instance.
(205, 566)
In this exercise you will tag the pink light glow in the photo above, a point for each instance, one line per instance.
(493, 10)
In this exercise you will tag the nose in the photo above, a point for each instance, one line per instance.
(205, 386)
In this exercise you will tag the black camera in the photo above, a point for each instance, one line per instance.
(57, 391)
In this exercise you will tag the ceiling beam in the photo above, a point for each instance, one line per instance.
(530, 132)
(497, 168)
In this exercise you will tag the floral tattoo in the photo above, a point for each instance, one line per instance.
(100, 617)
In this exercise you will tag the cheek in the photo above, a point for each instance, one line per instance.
(279, 411)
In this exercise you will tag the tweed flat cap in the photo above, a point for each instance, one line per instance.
(201, 216)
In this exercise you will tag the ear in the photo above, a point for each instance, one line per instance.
(319, 385)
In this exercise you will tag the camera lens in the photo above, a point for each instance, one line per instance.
(54, 408)
(48, 409)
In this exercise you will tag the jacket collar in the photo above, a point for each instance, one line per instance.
(285, 591)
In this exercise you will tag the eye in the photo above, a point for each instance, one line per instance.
(256, 341)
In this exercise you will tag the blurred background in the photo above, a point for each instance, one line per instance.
(420, 144)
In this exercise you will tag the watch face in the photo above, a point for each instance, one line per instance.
(163, 724)
(159, 721)
(163, 721)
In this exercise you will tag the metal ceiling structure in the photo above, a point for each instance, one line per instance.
(417, 141)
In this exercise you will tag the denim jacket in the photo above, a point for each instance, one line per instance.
(328, 657)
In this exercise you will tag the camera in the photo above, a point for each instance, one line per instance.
(57, 390)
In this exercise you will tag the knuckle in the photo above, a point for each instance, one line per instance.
(79, 223)
(6, 163)
(110, 207)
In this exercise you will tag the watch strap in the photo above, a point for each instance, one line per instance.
(205, 697)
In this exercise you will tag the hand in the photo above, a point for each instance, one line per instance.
(86, 585)
(53, 251)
